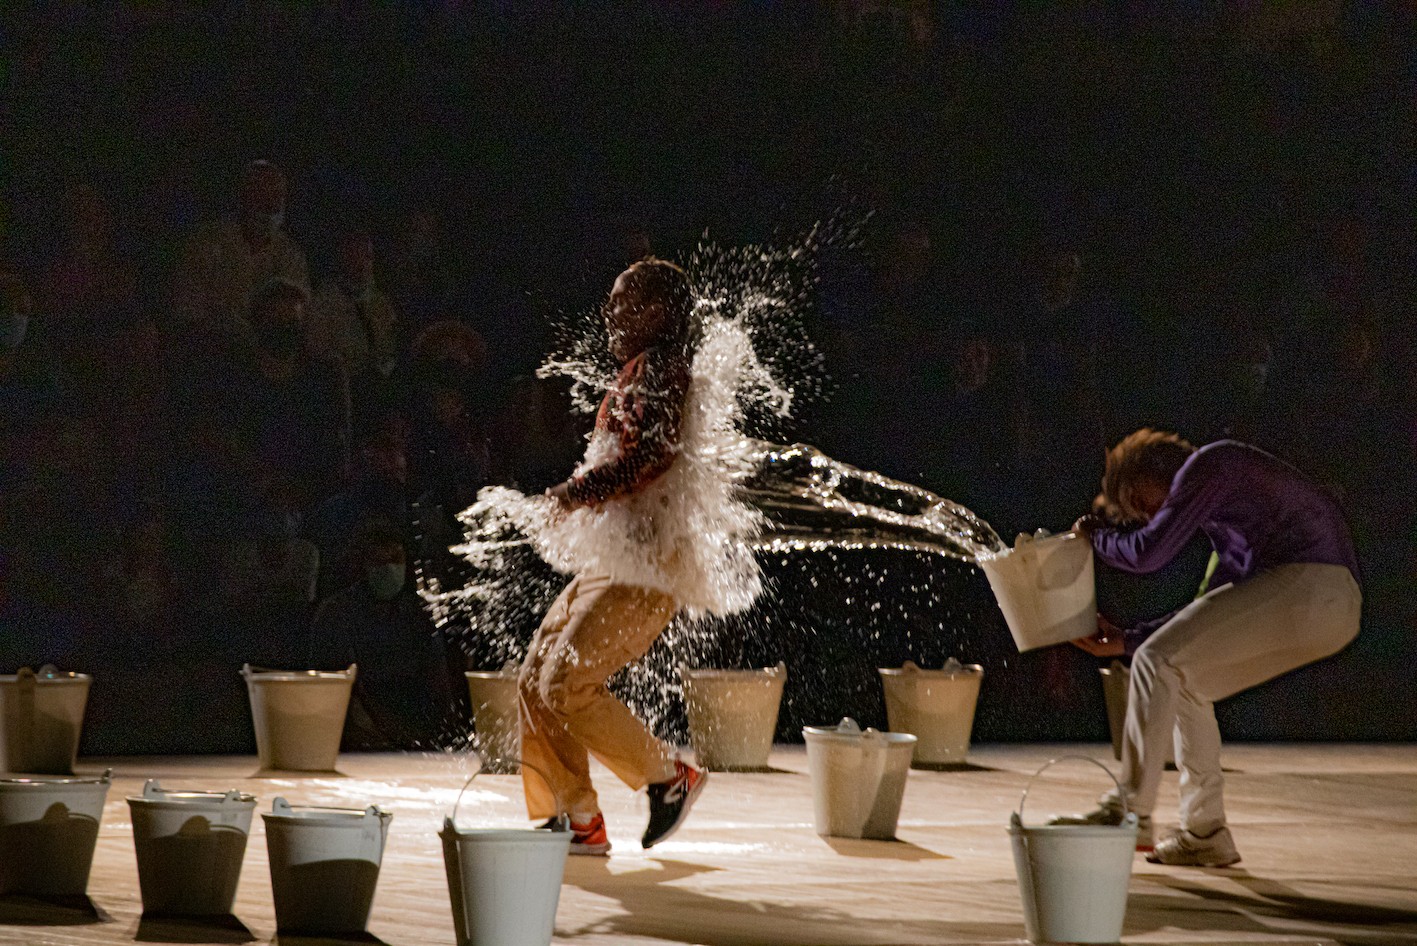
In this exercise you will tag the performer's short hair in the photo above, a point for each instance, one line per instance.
(1147, 453)
(665, 282)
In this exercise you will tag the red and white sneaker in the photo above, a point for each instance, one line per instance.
(669, 802)
(590, 838)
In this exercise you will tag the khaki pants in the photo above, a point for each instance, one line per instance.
(593, 629)
(1228, 640)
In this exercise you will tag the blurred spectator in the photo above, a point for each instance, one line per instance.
(89, 289)
(419, 280)
(291, 409)
(29, 381)
(352, 320)
(271, 570)
(537, 437)
(406, 685)
(224, 263)
(1057, 414)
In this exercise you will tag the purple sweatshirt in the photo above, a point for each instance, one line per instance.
(1258, 512)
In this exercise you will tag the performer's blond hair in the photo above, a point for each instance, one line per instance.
(1145, 454)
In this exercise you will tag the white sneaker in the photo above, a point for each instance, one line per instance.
(1181, 848)
(1110, 813)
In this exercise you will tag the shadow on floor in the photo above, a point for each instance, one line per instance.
(24, 910)
(1268, 906)
(332, 939)
(951, 767)
(192, 929)
(657, 906)
(884, 850)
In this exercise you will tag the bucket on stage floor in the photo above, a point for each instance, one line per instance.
(1045, 588)
(48, 829)
(504, 883)
(495, 719)
(324, 865)
(1073, 878)
(299, 716)
(1116, 682)
(41, 717)
(733, 715)
(189, 847)
(935, 706)
(858, 779)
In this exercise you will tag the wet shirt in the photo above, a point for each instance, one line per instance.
(637, 428)
(1258, 512)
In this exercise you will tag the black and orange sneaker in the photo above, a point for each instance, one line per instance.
(669, 802)
(589, 838)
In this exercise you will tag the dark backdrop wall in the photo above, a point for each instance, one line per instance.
(1232, 189)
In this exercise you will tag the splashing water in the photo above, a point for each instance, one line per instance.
(699, 531)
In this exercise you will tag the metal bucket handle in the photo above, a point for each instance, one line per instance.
(152, 789)
(1121, 795)
(563, 820)
(281, 806)
(248, 671)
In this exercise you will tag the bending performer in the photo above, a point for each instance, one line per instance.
(1285, 593)
(598, 626)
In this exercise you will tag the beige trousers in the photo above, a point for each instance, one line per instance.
(593, 629)
(1228, 640)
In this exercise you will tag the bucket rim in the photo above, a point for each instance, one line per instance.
(24, 782)
(490, 674)
(1111, 831)
(833, 734)
(965, 670)
(299, 676)
(506, 835)
(58, 677)
(773, 673)
(284, 811)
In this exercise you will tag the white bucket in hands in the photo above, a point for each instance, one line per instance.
(496, 719)
(1073, 878)
(858, 779)
(733, 715)
(41, 718)
(48, 829)
(299, 716)
(324, 865)
(504, 883)
(1045, 588)
(189, 847)
(935, 706)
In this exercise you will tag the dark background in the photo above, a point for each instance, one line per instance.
(1236, 186)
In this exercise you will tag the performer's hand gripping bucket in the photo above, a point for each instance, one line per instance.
(505, 883)
(1073, 878)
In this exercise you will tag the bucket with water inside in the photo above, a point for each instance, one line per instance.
(495, 718)
(48, 830)
(733, 715)
(858, 779)
(298, 716)
(1045, 588)
(504, 883)
(324, 865)
(1073, 878)
(935, 706)
(41, 718)
(189, 847)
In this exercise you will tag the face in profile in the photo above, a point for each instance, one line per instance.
(632, 321)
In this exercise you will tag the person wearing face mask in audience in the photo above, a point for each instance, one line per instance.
(225, 262)
(403, 690)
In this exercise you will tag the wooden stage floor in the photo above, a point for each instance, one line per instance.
(1328, 834)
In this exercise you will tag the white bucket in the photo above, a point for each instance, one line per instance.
(41, 717)
(935, 706)
(299, 716)
(1045, 588)
(1116, 683)
(189, 847)
(324, 865)
(48, 829)
(504, 883)
(495, 718)
(1073, 878)
(858, 779)
(733, 715)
